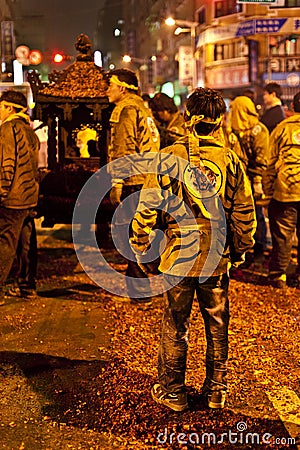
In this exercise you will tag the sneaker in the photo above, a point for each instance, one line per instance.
(278, 282)
(216, 399)
(15, 291)
(176, 401)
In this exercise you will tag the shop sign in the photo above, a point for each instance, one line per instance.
(185, 57)
(256, 1)
(248, 28)
(284, 64)
(7, 39)
(284, 79)
(228, 77)
(260, 26)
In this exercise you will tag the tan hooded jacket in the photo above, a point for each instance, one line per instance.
(252, 134)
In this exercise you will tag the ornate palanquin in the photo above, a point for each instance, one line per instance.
(74, 107)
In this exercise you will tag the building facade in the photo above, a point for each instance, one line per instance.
(234, 45)
(7, 43)
(247, 45)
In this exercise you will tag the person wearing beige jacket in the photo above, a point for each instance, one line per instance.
(198, 194)
(281, 181)
(134, 138)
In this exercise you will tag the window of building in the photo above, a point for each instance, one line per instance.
(286, 4)
(227, 7)
(201, 15)
(231, 50)
(284, 45)
(292, 3)
(219, 52)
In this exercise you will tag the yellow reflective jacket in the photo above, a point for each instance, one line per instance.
(194, 227)
(253, 135)
(282, 176)
(19, 147)
(133, 132)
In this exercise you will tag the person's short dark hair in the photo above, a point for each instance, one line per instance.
(126, 75)
(146, 97)
(16, 97)
(208, 103)
(248, 92)
(296, 102)
(273, 87)
(162, 102)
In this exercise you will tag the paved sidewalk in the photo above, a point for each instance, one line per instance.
(49, 346)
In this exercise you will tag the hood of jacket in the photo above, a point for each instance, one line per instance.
(243, 114)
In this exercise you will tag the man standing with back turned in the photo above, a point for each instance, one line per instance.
(281, 182)
(135, 136)
(19, 148)
(199, 192)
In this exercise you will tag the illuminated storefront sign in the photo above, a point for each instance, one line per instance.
(248, 28)
(227, 77)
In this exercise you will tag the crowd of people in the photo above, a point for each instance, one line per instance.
(199, 176)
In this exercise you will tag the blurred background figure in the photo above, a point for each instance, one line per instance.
(273, 112)
(147, 100)
(253, 137)
(42, 133)
(133, 134)
(83, 138)
(170, 120)
(249, 93)
(19, 149)
(282, 183)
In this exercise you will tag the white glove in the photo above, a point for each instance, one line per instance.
(257, 188)
(140, 264)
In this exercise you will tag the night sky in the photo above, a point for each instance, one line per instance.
(65, 19)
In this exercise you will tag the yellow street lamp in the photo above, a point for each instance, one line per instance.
(141, 65)
(186, 26)
(127, 58)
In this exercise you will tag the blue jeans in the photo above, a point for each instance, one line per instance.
(212, 296)
(284, 219)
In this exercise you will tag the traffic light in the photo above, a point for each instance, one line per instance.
(293, 38)
(58, 57)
